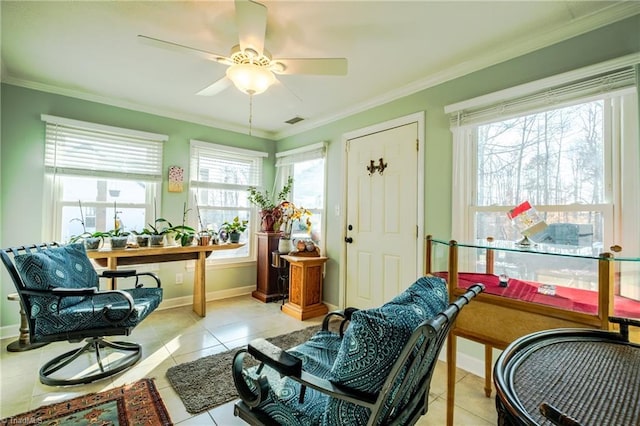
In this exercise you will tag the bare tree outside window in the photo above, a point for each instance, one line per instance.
(554, 159)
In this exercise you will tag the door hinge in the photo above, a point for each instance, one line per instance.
(417, 145)
(417, 231)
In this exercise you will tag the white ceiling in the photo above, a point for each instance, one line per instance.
(90, 50)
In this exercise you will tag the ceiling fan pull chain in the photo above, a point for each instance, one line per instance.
(250, 113)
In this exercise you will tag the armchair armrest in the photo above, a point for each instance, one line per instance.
(275, 357)
(66, 292)
(287, 365)
(344, 314)
(127, 273)
(92, 292)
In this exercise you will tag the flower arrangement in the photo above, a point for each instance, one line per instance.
(289, 213)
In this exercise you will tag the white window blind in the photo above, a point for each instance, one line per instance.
(213, 165)
(540, 96)
(307, 153)
(75, 147)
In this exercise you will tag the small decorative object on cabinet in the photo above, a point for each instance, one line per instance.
(305, 287)
(582, 279)
(285, 246)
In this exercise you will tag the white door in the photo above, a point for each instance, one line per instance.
(381, 237)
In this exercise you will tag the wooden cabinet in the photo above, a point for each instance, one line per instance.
(547, 286)
(305, 287)
(267, 277)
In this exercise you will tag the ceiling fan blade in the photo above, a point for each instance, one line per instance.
(215, 88)
(169, 45)
(317, 66)
(251, 18)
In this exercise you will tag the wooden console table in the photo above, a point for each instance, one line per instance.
(305, 287)
(114, 258)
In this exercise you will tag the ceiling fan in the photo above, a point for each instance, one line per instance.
(250, 66)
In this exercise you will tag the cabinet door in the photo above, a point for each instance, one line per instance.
(267, 277)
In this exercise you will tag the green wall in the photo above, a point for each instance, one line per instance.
(616, 40)
(22, 134)
(22, 176)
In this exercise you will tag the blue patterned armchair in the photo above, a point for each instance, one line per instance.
(377, 371)
(59, 291)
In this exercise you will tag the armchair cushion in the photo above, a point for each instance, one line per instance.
(67, 266)
(375, 337)
(282, 405)
(88, 314)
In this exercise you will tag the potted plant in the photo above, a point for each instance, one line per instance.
(183, 233)
(157, 232)
(269, 211)
(92, 240)
(118, 235)
(207, 235)
(235, 228)
(142, 237)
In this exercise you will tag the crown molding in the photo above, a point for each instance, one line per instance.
(191, 118)
(614, 13)
(581, 25)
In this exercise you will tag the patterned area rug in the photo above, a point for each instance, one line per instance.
(207, 382)
(135, 404)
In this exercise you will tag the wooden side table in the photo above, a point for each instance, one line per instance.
(24, 342)
(305, 287)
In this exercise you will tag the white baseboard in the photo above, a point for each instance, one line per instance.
(212, 295)
(465, 361)
(8, 331)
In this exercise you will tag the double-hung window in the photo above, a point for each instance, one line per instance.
(219, 178)
(107, 171)
(567, 144)
(307, 166)
(571, 151)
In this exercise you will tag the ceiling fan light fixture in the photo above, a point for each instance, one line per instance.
(250, 79)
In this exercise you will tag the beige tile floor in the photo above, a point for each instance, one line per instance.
(173, 336)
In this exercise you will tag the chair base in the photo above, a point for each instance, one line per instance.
(241, 410)
(132, 353)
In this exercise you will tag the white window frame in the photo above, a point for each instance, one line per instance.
(62, 160)
(214, 149)
(285, 161)
(621, 157)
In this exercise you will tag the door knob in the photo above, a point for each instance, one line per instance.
(348, 240)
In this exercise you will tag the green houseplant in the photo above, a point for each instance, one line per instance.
(183, 233)
(235, 228)
(92, 240)
(157, 231)
(118, 235)
(268, 205)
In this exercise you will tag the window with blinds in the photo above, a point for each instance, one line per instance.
(307, 166)
(219, 178)
(568, 145)
(79, 148)
(95, 173)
